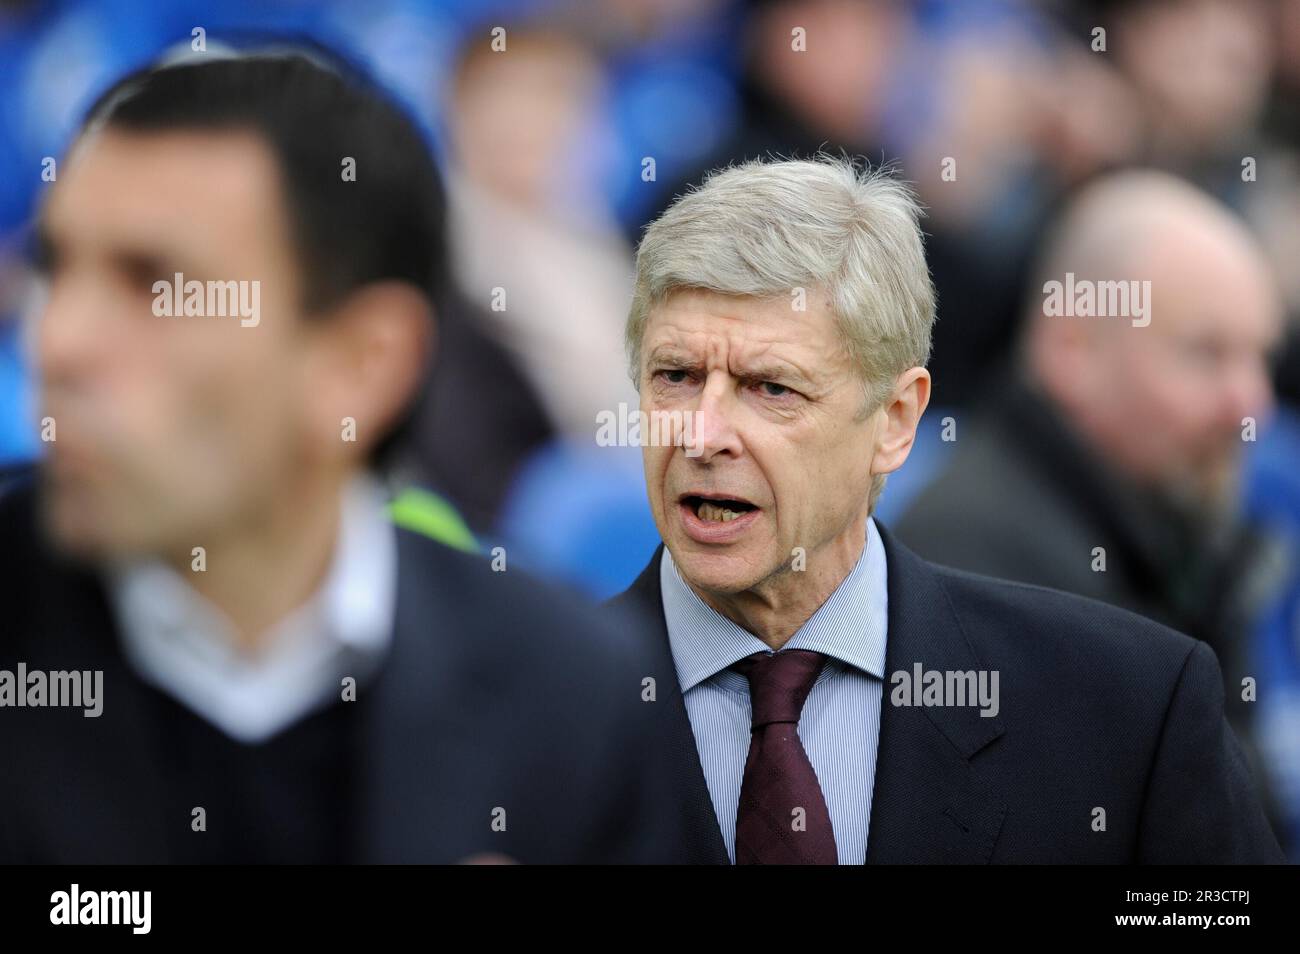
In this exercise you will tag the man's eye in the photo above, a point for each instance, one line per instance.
(45, 259)
(772, 389)
(674, 375)
(140, 275)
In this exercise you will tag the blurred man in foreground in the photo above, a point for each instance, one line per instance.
(242, 257)
(835, 698)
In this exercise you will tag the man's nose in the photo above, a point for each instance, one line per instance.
(712, 430)
(67, 335)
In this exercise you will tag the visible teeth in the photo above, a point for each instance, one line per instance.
(711, 511)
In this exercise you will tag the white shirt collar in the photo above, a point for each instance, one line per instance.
(182, 644)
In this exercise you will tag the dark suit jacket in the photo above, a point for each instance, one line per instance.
(1100, 708)
(497, 691)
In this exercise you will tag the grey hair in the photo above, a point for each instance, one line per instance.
(766, 228)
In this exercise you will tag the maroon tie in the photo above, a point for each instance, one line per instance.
(782, 817)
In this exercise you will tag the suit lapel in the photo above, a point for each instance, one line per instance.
(643, 600)
(929, 804)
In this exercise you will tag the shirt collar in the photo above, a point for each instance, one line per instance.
(182, 643)
(360, 592)
(849, 627)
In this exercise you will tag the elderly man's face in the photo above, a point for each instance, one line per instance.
(781, 455)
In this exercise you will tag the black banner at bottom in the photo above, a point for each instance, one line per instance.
(351, 904)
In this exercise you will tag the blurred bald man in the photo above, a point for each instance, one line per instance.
(1125, 432)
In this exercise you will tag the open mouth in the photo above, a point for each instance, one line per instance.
(718, 509)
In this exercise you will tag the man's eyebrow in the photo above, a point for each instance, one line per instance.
(666, 357)
(778, 372)
(45, 249)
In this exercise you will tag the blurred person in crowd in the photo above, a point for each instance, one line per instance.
(534, 246)
(1216, 84)
(273, 672)
(1211, 79)
(1109, 462)
(1200, 72)
(814, 76)
(780, 328)
(477, 420)
(998, 112)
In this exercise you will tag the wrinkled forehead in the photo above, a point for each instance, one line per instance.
(692, 329)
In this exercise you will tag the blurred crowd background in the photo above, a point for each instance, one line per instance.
(557, 154)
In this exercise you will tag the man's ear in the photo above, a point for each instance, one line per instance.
(370, 354)
(902, 413)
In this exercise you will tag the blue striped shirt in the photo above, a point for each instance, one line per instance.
(840, 724)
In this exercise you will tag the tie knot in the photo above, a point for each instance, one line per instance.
(779, 683)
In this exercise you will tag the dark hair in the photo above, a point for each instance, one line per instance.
(313, 109)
